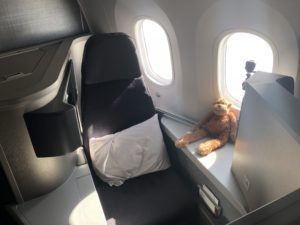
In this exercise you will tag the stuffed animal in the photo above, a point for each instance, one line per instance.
(220, 124)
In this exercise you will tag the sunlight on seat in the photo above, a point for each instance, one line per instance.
(87, 212)
(209, 160)
(111, 221)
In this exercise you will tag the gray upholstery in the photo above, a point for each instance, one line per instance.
(266, 157)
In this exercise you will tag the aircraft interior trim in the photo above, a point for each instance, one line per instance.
(94, 96)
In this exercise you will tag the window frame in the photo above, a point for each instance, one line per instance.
(143, 55)
(221, 63)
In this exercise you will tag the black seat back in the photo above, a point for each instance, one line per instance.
(113, 94)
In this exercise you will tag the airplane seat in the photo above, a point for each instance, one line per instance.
(114, 98)
(6, 197)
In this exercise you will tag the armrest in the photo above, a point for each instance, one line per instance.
(216, 166)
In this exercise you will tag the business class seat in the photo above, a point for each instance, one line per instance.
(113, 99)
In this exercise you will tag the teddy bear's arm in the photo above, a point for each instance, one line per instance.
(202, 122)
(233, 126)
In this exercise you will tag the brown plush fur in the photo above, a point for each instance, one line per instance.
(221, 124)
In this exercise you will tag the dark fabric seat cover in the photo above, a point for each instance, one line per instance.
(113, 100)
(6, 198)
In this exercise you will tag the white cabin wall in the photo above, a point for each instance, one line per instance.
(99, 15)
(179, 21)
(127, 13)
(224, 17)
(194, 28)
(195, 99)
(291, 11)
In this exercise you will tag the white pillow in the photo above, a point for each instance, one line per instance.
(130, 153)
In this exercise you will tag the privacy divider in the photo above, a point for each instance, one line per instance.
(266, 156)
(54, 129)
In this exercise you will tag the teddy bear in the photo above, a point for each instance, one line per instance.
(220, 125)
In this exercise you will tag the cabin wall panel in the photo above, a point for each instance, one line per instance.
(290, 10)
(99, 14)
(181, 97)
(229, 16)
(109, 16)
(184, 18)
(195, 29)
(127, 14)
(30, 177)
(31, 22)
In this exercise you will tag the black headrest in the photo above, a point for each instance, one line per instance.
(109, 57)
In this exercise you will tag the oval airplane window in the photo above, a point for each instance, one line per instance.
(154, 50)
(234, 50)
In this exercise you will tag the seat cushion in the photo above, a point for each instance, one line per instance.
(160, 198)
